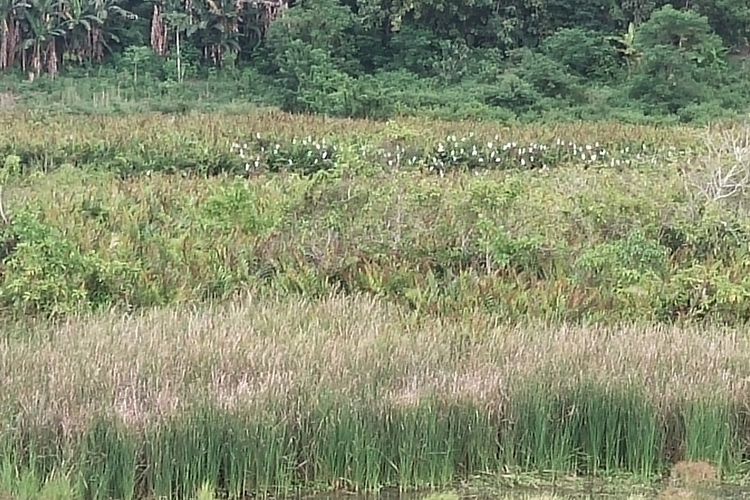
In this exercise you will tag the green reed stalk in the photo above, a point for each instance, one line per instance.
(107, 462)
(644, 436)
(363, 446)
(710, 433)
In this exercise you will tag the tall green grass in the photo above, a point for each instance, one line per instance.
(587, 430)
(288, 396)
(363, 448)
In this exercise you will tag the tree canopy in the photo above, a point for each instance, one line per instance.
(362, 57)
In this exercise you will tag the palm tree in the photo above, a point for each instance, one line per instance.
(10, 31)
(78, 22)
(169, 14)
(90, 28)
(181, 22)
(219, 28)
(45, 28)
(107, 13)
(626, 46)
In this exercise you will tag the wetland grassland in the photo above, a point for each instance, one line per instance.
(204, 306)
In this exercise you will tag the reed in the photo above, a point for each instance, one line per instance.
(277, 396)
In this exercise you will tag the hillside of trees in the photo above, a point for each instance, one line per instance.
(631, 60)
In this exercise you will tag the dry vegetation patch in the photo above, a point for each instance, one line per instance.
(8, 101)
(145, 366)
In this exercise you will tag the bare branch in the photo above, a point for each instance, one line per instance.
(724, 170)
(4, 217)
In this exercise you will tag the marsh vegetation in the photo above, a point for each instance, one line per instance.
(272, 304)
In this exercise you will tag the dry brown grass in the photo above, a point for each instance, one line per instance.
(252, 351)
(674, 493)
(691, 480)
(8, 101)
(217, 129)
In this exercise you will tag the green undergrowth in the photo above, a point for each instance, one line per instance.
(575, 244)
(299, 445)
(597, 222)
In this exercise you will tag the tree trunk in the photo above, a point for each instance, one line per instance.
(14, 38)
(97, 45)
(272, 10)
(179, 59)
(4, 35)
(158, 32)
(36, 60)
(51, 56)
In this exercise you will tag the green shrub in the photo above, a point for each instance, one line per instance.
(45, 273)
(512, 92)
(622, 263)
(705, 292)
(547, 76)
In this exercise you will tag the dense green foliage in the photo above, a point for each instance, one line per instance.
(440, 222)
(524, 60)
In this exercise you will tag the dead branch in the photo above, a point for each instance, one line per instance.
(724, 170)
(3, 216)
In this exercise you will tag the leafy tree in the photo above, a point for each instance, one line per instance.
(682, 57)
(729, 18)
(638, 11)
(325, 25)
(685, 31)
(547, 76)
(592, 15)
(585, 53)
(453, 61)
(415, 49)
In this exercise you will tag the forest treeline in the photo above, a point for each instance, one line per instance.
(517, 59)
